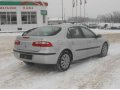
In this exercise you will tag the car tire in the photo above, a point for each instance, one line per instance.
(64, 61)
(104, 50)
(29, 63)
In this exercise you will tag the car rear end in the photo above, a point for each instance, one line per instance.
(37, 46)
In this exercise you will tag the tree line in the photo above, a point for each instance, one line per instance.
(81, 19)
(113, 17)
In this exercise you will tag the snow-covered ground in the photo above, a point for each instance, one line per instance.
(93, 72)
(102, 31)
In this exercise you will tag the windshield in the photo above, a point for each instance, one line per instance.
(43, 31)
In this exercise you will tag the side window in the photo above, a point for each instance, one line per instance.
(74, 33)
(88, 33)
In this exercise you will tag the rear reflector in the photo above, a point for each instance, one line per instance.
(42, 44)
(26, 37)
(17, 42)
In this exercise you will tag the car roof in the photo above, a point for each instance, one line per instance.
(67, 25)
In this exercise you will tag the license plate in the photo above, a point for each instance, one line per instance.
(25, 56)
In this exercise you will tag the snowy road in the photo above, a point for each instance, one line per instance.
(93, 72)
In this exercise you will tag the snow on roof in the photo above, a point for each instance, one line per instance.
(24, 2)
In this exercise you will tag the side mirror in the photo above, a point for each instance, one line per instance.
(98, 36)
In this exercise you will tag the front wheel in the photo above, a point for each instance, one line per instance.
(104, 50)
(64, 61)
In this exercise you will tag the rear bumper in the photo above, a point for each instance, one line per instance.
(41, 58)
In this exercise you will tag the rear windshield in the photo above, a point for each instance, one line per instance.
(43, 31)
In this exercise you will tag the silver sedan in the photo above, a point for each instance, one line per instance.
(59, 45)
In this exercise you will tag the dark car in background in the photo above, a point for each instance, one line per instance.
(93, 26)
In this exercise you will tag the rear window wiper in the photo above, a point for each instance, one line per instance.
(26, 32)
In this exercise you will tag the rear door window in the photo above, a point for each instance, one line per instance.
(43, 31)
(74, 32)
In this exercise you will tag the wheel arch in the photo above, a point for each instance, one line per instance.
(64, 50)
(106, 43)
(102, 55)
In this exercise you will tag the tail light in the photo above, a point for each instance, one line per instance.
(17, 42)
(42, 44)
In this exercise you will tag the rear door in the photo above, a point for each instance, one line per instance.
(75, 36)
(92, 42)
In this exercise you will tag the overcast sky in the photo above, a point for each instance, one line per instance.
(93, 7)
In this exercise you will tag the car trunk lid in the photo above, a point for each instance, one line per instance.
(26, 43)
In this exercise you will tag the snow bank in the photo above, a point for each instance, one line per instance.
(102, 31)
(10, 34)
(97, 31)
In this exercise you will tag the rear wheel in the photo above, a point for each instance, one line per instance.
(104, 50)
(64, 61)
(28, 63)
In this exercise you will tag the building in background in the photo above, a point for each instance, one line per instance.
(22, 15)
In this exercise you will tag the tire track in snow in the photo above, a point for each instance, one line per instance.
(89, 73)
(19, 72)
(97, 77)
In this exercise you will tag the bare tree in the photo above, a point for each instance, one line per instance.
(110, 18)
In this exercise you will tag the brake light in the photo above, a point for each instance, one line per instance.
(17, 42)
(42, 44)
